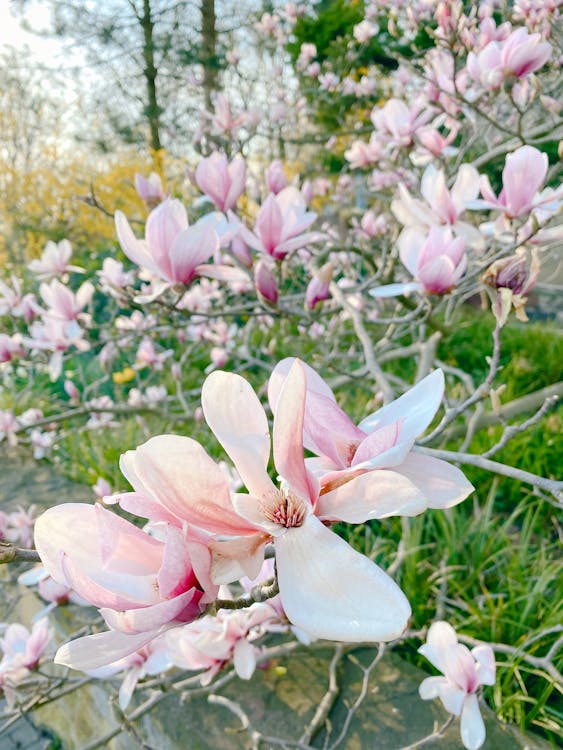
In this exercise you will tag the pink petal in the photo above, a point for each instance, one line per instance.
(377, 494)
(523, 175)
(331, 591)
(440, 637)
(134, 249)
(235, 558)
(244, 659)
(288, 434)
(486, 667)
(188, 483)
(234, 413)
(183, 608)
(190, 248)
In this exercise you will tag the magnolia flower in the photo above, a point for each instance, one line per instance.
(280, 224)
(172, 250)
(113, 276)
(15, 303)
(224, 183)
(362, 154)
(376, 453)
(519, 55)
(436, 260)
(141, 584)
(441, 205)
(22, 648)
(54, 261)
(212, 642)
(62, 303)
(464, 672)
(10, 347)
(176, 481)
(523, 176)
(151, 659)
(396, 124)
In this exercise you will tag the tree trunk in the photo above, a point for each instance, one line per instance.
(209, 51)
(152, 110)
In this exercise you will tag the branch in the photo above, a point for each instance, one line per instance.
(10, 554)
(470, 459)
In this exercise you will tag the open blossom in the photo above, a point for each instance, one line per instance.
(10, 347)
(281, 224)
(377, 452)
(523, 176)
(172, 250)
(396, 124)
(113, 276)
(62, 303)
(141, 584)
(436, 260)
(441, 205)
(213, 642)
(15, 303)
(22, 648)
(224, 183)
(519, 55)
(362, 154)
(464, 673)
(54, 262)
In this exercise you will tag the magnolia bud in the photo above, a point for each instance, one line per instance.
(265, 282)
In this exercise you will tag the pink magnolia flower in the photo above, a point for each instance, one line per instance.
(62, 303)
(523, 175)
(224, 183)
(172, 250)
(175, 480)
(441, 205)
(464, 672)
(213, 642)
(364, 31)
(147, 356)
(113, 276)
(396, 124)
(436, 260)
(15, 303)
(151, 659)
(223, 120)
(307, 52)
(280, 224)
(373, 225)
(22, 648)
(54, 261)
(141, 584)
(376, 453)
(362, 154)
(519, 55)
(10, 347)
(149, 189)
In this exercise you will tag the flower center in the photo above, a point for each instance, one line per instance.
(284, 509)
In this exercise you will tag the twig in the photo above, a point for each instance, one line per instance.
(435, 735)
(470, 459)
(364, 338)
(328, 699)
(510, 431)
(11, 554)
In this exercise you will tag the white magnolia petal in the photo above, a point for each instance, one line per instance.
(331, 591)
(472, 725)
(416, 408)
(101, 649)
(377, 494)
(234, 413)
(442, 484)
(244, 659)
(430, 687)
